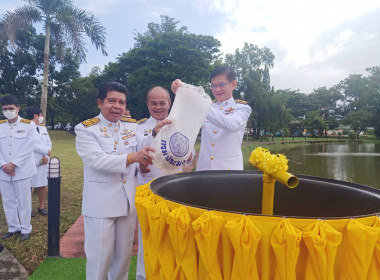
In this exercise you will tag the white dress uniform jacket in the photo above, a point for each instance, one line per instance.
(42, 148)
(222, 135)
(109, 186)
(17, 142)
(145, 139)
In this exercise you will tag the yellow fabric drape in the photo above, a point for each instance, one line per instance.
(285, 243)
(165, 259)
(374, 268)
(207, 229)
(357, 259)
(183, 243)
(143, 200)
(321, 241)
(192, 243)
(244, 236)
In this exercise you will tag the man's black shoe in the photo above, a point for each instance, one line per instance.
(42, 211)
(32, 214)
(10, 234)
(24, 236)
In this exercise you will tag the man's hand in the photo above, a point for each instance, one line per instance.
(144, 168)
(175, 85)
(143, 156)
(49, 153)
(9, 169)
(44, 160)
(160, 125)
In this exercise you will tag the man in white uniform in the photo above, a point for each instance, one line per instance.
(107, 146)
(223, 129)
(42, 153)
(158, 102)
(18, 138)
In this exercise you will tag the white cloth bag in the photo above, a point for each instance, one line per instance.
(174, 143)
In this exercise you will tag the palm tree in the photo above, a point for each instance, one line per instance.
(63, 23)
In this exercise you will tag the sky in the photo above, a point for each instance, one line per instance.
(315, 43)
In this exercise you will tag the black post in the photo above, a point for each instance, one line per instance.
(54, 200)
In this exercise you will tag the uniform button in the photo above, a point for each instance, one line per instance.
(10, 145)
(212, 158)
(110, 124)
(115, 129)
(212, 145)
(215, 131)
(116, 142)
(124, 181)
(221, 108)
(10, 154)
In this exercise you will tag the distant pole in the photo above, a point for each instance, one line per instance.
(54, 200)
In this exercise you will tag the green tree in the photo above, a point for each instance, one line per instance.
(252, 65)
(160, 55)
(359, 120)
(18, 68)
(63, 23)
(313, 121)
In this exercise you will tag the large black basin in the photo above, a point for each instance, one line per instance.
(241, 192)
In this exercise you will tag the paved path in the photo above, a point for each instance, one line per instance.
(72, 243)
(10, 268)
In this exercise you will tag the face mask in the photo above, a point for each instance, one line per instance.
(41, 119)
(10, 115)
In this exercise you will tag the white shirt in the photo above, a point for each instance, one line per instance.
(17, 142)
(222, 135)
(109, 185)
(43, 145)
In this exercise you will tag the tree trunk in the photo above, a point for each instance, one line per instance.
(46, 71)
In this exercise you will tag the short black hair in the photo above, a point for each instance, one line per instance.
(31, 111)
(10, 100)
(223, 70)
(111, 86)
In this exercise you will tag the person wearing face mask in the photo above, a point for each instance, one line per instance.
(42, 153)
(18, 138)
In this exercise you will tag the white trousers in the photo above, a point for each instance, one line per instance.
(17, 204)
(108, 246)
(140, 269)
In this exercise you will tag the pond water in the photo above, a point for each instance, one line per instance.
(353, 162)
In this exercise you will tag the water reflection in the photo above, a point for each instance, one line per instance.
(355, 162)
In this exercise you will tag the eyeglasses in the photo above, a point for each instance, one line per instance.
(219, 85)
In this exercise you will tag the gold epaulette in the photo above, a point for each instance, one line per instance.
(90, 122)
(125, 119)
(241, 101)
(142, 120)
(41, 124)
(25, 121)
(4, 121)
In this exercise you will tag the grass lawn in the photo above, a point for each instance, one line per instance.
(73, 269)
(32, 253)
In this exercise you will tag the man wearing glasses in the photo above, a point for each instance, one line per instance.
(223, 129)
(18, 138)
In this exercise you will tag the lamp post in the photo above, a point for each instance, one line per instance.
(54, 200)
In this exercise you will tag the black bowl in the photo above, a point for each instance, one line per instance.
(241, 192)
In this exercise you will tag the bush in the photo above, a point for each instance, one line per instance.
(352, 135)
